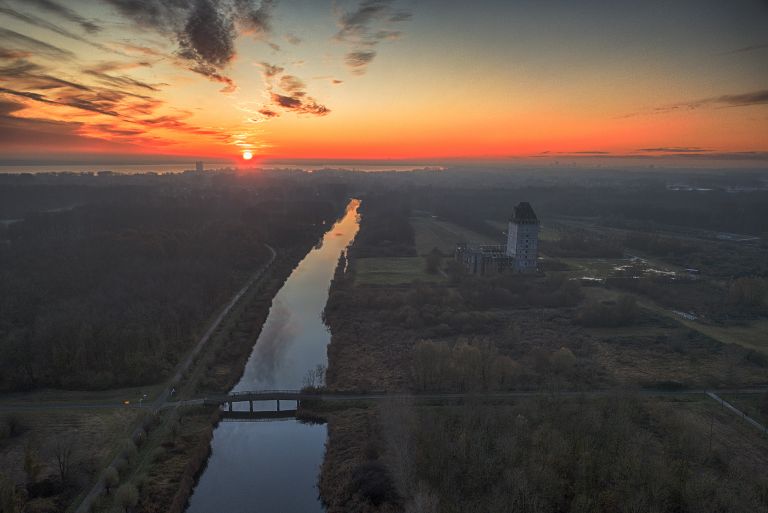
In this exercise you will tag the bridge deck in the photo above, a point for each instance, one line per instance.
(298, 395)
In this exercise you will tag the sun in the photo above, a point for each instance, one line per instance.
(247, 155)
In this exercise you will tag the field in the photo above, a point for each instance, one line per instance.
(91, 432)
(393, 271)
(752, 335)
(84, 397)
(432, 233)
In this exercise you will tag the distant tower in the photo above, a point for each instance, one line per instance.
(199, 166)
(523, 237)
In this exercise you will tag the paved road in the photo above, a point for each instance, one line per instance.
(725, 404)
(184, 366)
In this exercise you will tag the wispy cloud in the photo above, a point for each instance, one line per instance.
(744, 49)
(674, 149)
(63, 12)
(35, 45)
(365, 27)
(45, 24)
(726, 100)
(723, 101)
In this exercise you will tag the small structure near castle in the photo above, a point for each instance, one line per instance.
(518, 255)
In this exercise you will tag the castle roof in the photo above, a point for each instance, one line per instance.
(524, 214)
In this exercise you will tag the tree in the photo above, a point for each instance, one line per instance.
(432, 261)
(563, 360)
(11, 501)
(111, 478)
(127, 496)
(62, 451)
(32, 465)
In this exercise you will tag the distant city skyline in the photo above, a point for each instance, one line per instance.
(421, 80)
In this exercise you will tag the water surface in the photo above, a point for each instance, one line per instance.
(272, 466)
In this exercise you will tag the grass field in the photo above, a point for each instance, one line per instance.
(92, 432)
(51, 396)
(432, 233)
(393, 271)
(752, 335)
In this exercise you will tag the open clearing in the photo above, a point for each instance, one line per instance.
(393, 271)
(92, 433)
(752, 335)
(432, 233)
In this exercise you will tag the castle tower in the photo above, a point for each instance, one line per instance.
(523, 237)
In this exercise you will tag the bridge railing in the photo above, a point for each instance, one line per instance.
(265, 392)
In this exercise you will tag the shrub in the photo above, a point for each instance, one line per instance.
(111, 478)
(372, 481)
(127, 496)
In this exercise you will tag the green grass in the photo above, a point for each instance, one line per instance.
(393, 271)
(432, 233)
(117, 396)
(753, 335)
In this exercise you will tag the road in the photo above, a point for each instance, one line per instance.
(181, 369)
(269, 395)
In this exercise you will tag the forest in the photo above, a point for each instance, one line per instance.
(111, 293)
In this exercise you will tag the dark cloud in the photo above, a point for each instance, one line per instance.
(120, 80)
(357, 61)
(674, 149)
(365, 27)
(726, 100)
(208, 36)
(271, 70)
(292, 84)
(33, 76)
(292, 39)
(204, 30)
(722, 101)
(739, 100)
(35, 45)
(256, 20)
(65, 13)
(14, 54)
(290, 96)
(268, 113)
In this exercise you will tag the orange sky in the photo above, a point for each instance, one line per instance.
(382, 79)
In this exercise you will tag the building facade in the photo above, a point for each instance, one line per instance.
(520, 254)
(523, 237)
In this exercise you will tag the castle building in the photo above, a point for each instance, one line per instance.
(518, 255)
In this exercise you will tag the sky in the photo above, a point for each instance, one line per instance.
(129, 80)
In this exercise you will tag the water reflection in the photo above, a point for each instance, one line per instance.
(272, 466)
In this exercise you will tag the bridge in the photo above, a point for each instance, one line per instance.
(297, 396)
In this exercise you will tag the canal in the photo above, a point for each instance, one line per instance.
(272, 466)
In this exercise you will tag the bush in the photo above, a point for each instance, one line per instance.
(623, 312)
(111, 478)
(127, 496)
(372, 481)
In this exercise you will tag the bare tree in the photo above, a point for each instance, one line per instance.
(63, 449)
(32, 465)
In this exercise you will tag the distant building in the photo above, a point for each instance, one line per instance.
(199, 166)
(518, 255)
